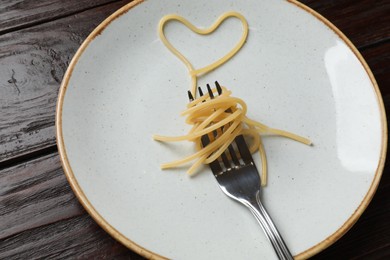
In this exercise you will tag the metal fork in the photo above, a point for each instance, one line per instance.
(237, 176)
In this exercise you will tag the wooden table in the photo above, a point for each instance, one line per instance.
(39, 214)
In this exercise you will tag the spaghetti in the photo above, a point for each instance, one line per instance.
(194, 73)
(208, 115)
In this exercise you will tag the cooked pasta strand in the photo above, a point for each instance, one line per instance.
(194, 73)
(208, 116)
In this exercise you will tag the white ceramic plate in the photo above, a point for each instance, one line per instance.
(296, 72)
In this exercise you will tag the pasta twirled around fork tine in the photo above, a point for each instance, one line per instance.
(209, 114)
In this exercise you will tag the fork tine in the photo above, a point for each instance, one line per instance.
(215, 166)
(224, 157)
(219, 89)
(210, 91)
(200, 91)
(244, 150)
(230, 151)
(233, 155)
(205, 139)
(225, 161)
(190, 96)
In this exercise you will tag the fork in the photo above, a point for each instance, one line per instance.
(237, 176)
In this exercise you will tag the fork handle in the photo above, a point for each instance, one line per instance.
(269, 228)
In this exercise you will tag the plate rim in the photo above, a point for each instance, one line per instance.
(151, 255)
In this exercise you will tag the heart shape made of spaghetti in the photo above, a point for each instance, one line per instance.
(196, 72)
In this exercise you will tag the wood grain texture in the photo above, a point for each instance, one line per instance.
(39, 214)
(364, 22)
(74, 238)
(17, 14)
(34, 60)
(32, 64)
(27, 119)
(378, 58)
(34, 194)
(41, 217)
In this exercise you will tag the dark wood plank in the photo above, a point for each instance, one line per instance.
(33, 61)
(364, 21)
(32, 64)
(16, 14)
(34, 194)
(41, 218)
(39, 215)
(348, 14)
(74, 238)
(378, 58)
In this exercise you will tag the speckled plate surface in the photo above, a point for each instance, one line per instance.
(296, 72)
